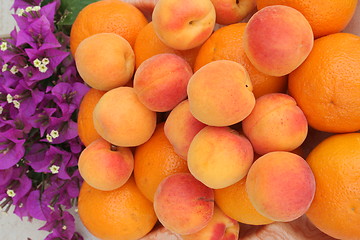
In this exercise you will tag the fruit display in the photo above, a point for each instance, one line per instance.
(196, 131)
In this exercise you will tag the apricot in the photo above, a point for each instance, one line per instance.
(161, 88)
(220, 93)
(220, 227)
(183, 204)
(219, 156)
(183, 24)
(105, 167)
(181, 127)
(105, 61)
(277, 39)
(281, 186)
(275, 124)
(230, 12)
(121, 119)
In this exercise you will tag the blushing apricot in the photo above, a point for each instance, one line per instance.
(183, 204)
(181, 127)
(105, 61)
(277, 39)
(161, 88)
(275, 124)
(121, 119)
(219, 156)
(105, 167)
(220, 93)
(281, 186)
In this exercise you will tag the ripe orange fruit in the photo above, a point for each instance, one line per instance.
(227, 43)
(327, 85)
(335, 163)
(86, 129)
(123, 214)
(155, 160)
(107, 16)
(148, 44)
(325, 17)
(235, 203)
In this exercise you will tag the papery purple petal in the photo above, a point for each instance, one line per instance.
(36, 32)
(68, 131)
(37, 75)
(5, 176)
(23, 188)
(22, 22)
(54, 55)
(63, 172)
(49, 10)
(12, 148)
(67, 227)
(76, 145)
(36, 156)
(73, 190)
(35, 205)
(21, 209)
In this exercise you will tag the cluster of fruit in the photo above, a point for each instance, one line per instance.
(178, 118)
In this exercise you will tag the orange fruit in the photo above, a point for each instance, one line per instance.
(325, 17)
(335, 163)
(123, 214)
(155, 160)
(86, 129)
(227, 43)
(107, 16)
(327, 85)
(235, 203)
(148, 44)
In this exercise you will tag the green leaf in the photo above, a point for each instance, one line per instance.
(69, 10)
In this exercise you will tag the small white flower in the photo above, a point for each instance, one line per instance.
(64, 227)
(37, 62)
(1, 109)
(54, 133)
(76, 210)
(20, 12)
(43, 68)
(21, 205)
(36, 8)
(3, 46)
(9, 98)
(49, 138)
(54, 169)
(45, 61)
(14, 69)
(16, 104)
(4, 67)
(10, 193)
(28, 9)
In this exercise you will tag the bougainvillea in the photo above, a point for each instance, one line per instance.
(40, 92)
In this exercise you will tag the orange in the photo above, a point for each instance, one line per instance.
(227, 43)
(335, 163)
(235, 203)
(107, 16)
(148, 44)
(121, 214)
(155, 160)
(86, 129)
(327, 85)
(325, 17)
